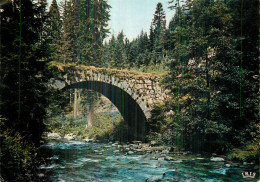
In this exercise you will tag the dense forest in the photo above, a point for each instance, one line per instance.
(208, 55)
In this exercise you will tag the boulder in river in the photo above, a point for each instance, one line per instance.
(168, 158)
(165, 151)
(217, 159)
(130, 152)
(140, 150)
(53, 136)
(200, 158)
(70, 136)
(88, 140)
(227, 165)
(160, 159)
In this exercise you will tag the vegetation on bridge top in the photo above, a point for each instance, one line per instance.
(137, 74)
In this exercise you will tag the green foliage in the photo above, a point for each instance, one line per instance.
(84, 27)
(210, 95)
(107, 126)
(17, 157)
(249, 153)
(24, 74)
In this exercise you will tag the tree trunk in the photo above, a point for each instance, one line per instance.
(91, 110)
(91, 116)
(75, 104)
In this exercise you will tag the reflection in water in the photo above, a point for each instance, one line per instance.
(79, 161)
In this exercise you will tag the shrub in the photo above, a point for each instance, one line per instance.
(249, 153)
(16, 157)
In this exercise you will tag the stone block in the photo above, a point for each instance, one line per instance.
(148, 114)
(134, 96)
(148, 82)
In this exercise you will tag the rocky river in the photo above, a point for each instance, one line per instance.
(88, 161)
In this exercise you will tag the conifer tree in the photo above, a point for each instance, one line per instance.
(54, 21)
(120, 57)
(205, 78)
(24, 75)
(157, 33)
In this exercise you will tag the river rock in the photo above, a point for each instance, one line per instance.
(140, 150)
(178, 161)
(165, 151)
(227, 165)
(200, 158)
(134, 145)
(160, 159)
(145, 145)
(119, 146)
(217, 159)
(130, 152)
(53, 136)
(154, 143)
(154, 158)
(88, 140)
(168, 158)
(148, 151)
(39, 175)
(70, 136)
(137, 142)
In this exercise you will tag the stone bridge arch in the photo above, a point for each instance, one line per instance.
(134, 94)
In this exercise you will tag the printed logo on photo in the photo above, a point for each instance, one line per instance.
(248, 175)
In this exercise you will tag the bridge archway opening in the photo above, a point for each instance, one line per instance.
(134, 117)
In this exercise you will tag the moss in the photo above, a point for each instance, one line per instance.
(137, 74)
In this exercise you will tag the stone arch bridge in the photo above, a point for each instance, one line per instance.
(134, 94)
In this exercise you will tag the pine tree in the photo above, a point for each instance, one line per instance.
(204, 77)
(120, 57)
(54, 25)
(23, 83)
(157, 33)
(93, 19)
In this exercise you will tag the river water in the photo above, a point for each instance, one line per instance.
(80, 161)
